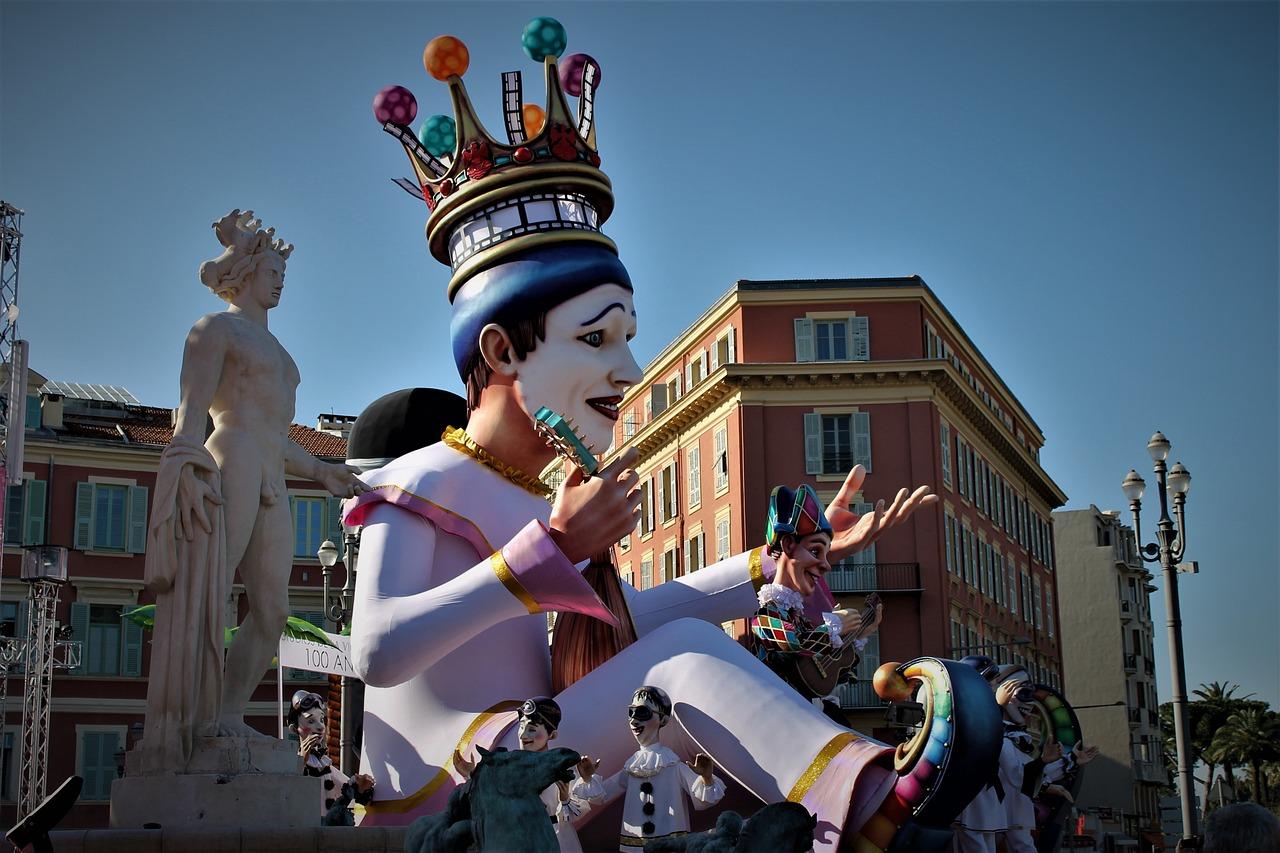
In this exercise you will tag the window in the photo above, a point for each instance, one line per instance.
(946, 454)
(109, 643)
(670, 563)
(957, 633)
(696, 370)
(724, 350)
(96, 760)
(722, 538)
(12, 619)
(948, 533)
(1035, 600)
(24, 513)
(308, 525)
(695, 476)
(1013, 586)
(962, 460)
(625, 542)
(1048, 608)
(695, 552)
(835, 443)
(8, 767)
(628, 425)
(111, 517)
(646, 570)
(836, 339)
(984, 567)
(722, 457)
(669, 492)
(673, 388)
(966, 551)
(646, 507)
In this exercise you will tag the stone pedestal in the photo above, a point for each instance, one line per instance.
(247, 783)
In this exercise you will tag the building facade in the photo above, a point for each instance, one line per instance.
(1108, 662)
(89, 470)
(782, 382)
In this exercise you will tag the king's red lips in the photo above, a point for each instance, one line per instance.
(607, 406)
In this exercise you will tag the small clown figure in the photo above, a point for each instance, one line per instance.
(306, 718)
(654, 780)
(538, 720)
(798, 538)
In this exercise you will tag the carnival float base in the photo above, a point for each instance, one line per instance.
(232, 783)
(314, 839)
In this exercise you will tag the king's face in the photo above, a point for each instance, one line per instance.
(585, 364)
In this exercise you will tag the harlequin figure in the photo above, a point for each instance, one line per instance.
(461, 553)
(306, 718)
(798, 538)
(654, 780)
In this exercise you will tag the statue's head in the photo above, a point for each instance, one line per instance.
(541, 302)
(306, 714)
(252, 262)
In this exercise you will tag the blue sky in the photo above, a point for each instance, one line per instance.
(1091, 188)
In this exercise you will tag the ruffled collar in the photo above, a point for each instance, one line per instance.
(783, 596)
(650, 761)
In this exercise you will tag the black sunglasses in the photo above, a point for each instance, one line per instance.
(640, 713)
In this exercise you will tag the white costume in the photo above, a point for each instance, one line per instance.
(563, 814)
(668, 781)
(456, 568)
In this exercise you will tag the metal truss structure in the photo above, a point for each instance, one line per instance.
(10, 256)
(42, 652)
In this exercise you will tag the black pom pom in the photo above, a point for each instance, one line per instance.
(648, 808)
(328, 784)
(646, 787)
(329, 801)
(648, 827)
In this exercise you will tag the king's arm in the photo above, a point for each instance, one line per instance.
(717, 593)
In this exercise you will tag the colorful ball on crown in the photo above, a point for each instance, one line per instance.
(535, 118)
(543, 37)
(445, 57)
(571, 73)
(395, 104)
(439, 135)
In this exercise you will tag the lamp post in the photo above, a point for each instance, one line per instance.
(338, 611)
(1167, 550)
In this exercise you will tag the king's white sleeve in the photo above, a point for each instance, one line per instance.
(720, 592)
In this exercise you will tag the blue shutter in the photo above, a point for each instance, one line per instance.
(33, 512)
(80, 631)
(13, 501)
(804, 339)
(33, 411)
(130, 646)
(83, 538)
(333, 513)
(89, 749)
(862, 439)
(860, 331)
(136, 526)
(812, 443)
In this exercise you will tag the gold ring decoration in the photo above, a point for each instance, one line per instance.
(511, 582)
(814, 770)
(755, 565)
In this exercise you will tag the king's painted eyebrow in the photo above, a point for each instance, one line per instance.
(609, 308)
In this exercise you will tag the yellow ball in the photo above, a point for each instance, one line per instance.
(890, 684)
(445, 57)
(534, 119)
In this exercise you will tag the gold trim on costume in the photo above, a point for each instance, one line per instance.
(755, 565)
(633, 841)
(420, 796)
(466, 445)
(809, 776)
(511, 582)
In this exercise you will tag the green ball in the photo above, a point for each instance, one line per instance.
(439, 135)
(543, 37)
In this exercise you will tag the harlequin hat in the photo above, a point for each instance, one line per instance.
(798, 513)
(541, 709)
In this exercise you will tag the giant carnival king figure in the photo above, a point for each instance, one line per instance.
(461, 552)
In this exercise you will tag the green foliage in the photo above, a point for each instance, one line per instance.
(294, 628)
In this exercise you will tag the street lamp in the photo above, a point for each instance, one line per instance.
(1168, 550)
(333, 610)
(338, 611)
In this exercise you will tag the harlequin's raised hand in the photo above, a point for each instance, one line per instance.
(703, 766)
(853, 532)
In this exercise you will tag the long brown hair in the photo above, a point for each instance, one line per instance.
(582, 643)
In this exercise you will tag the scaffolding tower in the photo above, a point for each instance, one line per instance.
(10, 258)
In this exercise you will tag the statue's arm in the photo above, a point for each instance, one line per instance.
(717, 593)
(405, 621)
(202, 360)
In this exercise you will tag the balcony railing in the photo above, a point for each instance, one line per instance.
(1130, 663)
(1135, 716)
(1126, 609)
(860, 694)
(874, 577)
(1149, 665)
(1152, 717)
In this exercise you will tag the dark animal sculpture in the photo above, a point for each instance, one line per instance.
(500, 808)
(776, 828)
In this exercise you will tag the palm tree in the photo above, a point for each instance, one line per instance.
(1206, 716)
(1251, 736)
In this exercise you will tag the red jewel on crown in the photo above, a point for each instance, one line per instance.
(564, 142)
(476, 159)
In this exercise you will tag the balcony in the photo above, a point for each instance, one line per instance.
(1153, 718)
(1126, 609)
(875, 577)
(1135, 716)
(1149, 665)
(858, 695)
(1130, 663)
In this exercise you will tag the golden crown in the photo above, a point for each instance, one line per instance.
(490, 199)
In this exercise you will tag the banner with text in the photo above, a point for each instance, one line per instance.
(317, 657)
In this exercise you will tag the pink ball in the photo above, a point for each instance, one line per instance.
(395, 104)
(571, 73)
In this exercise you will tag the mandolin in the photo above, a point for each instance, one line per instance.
(817, 677)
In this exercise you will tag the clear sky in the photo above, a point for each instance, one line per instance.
(1091, 188)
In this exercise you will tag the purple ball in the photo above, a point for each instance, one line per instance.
(395, 104)
(571, 73)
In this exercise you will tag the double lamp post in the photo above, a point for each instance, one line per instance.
(337, 610)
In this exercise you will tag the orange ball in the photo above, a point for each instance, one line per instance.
(534, 119)
(890, 684)
(445, 57)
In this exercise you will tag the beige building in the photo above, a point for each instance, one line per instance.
(1108, 663)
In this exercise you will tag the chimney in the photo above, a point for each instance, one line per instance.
(51, 411)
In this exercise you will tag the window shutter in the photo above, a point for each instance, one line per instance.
(90, 747)
(130, 646)
(861, 438)
(662, 494)
(13, 527)
(704, 364)
(674, 497)
(733, 346)
(83, 539)
(804, 339)
(80, 631)
(136, 532)
(867, 556)
(688, 376)
(715, 355)
(33, 512)
(687, 565)
(812, 443)
(649, 508)
(860, 329)
(333, 509)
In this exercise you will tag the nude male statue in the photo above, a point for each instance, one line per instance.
(235, 370)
